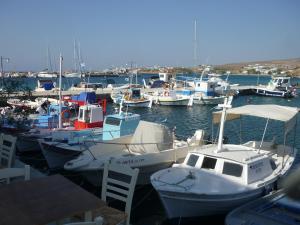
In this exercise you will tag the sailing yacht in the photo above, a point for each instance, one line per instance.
(77, 64)
(48, 73)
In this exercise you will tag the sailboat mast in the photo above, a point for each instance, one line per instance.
(60, 75)
(49, 63)
(75, 60)
(195, 43)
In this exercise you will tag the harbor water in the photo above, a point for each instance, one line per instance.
(147, 208)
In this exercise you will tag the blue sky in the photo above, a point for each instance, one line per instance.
(152, 32)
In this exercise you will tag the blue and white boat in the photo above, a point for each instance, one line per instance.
(47, 85)
(57, 151)
(204, 93)
(41, 126)
(277, 87)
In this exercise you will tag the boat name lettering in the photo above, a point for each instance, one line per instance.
(130, 161)
(130, 118)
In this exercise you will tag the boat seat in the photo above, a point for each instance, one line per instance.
(197, 138)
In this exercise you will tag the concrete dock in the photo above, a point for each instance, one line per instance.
(105, 92)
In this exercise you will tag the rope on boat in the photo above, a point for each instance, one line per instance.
(190, 176)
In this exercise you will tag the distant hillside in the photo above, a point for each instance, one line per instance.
(293, 65)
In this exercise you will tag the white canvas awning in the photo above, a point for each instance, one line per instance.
(285, 114)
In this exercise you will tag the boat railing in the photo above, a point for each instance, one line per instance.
(138, 147)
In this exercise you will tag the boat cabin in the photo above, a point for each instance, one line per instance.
(281, 82)
(206, 87)
(165, 77)
(133, 94)
(89, 116)
(252, 168)
(118, 125)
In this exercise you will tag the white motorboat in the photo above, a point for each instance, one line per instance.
(216, 178)
(170, 98)
(86, 86)
(277, 87)
(47, 74)
(73, 74)
(132, 98)
(202, 99)
(148, 151)
(22, 103)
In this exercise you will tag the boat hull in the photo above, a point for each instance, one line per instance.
(176, 102)
(56, 156)
(273, 93)
(179, 205)
(137, 104)
(95, 176)
(208, 101)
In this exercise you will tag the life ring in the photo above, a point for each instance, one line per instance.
(65, 115)
(166, 94)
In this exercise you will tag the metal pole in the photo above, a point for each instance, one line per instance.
(2, 69)
(2, 75)
(60, 75)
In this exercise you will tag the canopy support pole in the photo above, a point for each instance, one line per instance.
(263, 137)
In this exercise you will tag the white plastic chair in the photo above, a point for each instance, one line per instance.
(97, 221)
(8, 173)
(117, 189)
(7, 149)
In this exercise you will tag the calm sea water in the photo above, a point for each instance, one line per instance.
(147, 208)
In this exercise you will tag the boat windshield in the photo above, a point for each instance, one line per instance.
(112, 121)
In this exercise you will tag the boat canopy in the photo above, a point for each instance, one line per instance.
(286, 114)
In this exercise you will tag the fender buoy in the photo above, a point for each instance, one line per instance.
(66, 115)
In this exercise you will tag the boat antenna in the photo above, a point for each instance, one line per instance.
(59, 93)
(225, 106)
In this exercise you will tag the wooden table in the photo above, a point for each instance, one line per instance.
(48, 199)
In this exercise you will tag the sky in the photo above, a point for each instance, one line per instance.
(147, 32)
